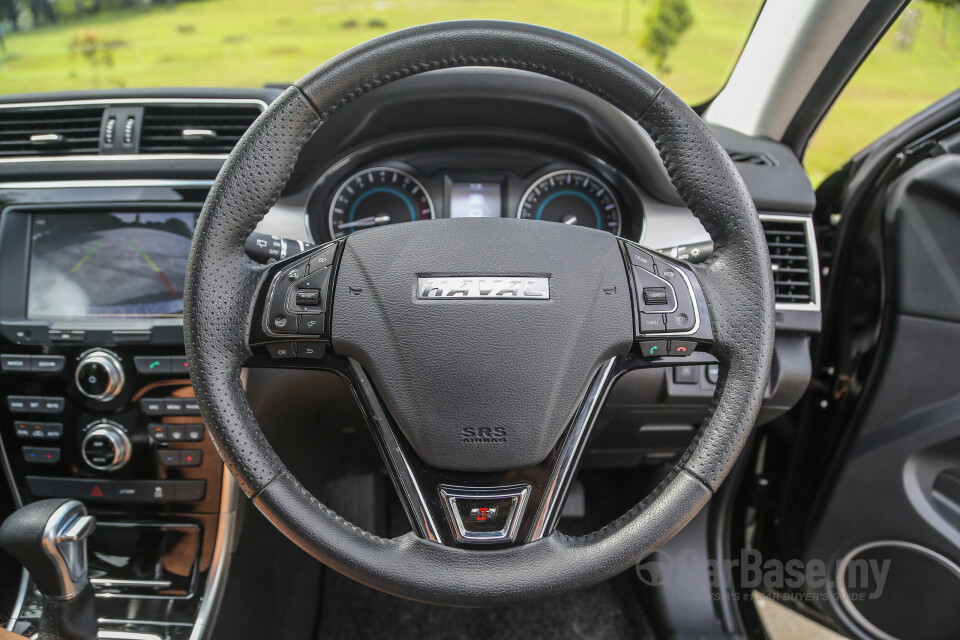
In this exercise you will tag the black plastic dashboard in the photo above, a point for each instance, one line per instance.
(473, 142)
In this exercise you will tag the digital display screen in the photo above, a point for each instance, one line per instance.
(475, 200)
(108, 264)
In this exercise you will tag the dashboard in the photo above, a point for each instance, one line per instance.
(97, 402)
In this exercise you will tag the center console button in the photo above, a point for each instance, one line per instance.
(52, 405)
(99, 376)
(172, 407)
(193, 432)
(15, 363)
(47, 364)
(106, 447)
(152, 406)
(42, 455)
(17, 404)
(152, 365)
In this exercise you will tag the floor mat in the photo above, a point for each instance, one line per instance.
(604, 612)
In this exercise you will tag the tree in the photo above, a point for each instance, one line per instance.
(946, 6)
(664, 25)
(42, 12)
(9, 10)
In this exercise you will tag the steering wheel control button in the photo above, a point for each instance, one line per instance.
(652, 323)
(641, 259)
(308, 297)
(281, 350)
(484, 516)
(283, 323)
(321, 259)
(311, 349)
(655, 296)
(653, 348)
(312, 324)
(682, 347)
(646, 281)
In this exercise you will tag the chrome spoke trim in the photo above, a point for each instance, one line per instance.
(401, 472)
(571, 451)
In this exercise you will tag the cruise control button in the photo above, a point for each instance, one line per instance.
(311, 324)
(652, 323)
(640, 259)
(655, 295)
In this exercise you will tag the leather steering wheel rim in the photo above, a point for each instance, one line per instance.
(221, 280)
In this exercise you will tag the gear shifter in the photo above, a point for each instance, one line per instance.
(49, 538)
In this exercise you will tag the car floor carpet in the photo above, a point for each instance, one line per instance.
(352, 611)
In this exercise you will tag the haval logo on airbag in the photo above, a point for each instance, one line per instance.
(483, 288)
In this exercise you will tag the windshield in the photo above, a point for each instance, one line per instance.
(55, 45)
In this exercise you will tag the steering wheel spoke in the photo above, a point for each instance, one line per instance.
(483, 510)
(290, 326)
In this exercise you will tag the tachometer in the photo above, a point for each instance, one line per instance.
(376, 197)
(572, 197)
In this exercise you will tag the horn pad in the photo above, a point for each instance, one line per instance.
(477, 377)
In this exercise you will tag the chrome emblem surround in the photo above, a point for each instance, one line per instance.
(483, 288)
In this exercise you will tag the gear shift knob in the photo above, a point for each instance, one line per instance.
(49, 538)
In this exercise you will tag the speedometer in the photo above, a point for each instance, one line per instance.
(376, 197)
(572, 197)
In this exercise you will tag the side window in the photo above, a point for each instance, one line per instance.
(915, 64)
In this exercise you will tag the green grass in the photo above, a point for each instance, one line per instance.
(250, 42)
(889, 87)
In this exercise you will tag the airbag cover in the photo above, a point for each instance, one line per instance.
(481, 384)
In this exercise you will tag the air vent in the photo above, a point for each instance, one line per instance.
(751, 157)
(794, 264)
(195, 128)
(49, 131)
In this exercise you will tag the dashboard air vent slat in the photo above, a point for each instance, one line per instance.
(175, 128)
(787, 241)
(49, 131)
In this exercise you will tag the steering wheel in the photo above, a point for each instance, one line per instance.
(479, 350)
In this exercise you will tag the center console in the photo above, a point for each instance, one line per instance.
(97, 403)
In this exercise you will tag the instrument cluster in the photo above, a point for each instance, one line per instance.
(351, 198)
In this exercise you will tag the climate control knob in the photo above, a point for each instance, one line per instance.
(99, 376)
(106, 447)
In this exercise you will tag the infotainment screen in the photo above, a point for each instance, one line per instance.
(108, 264)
